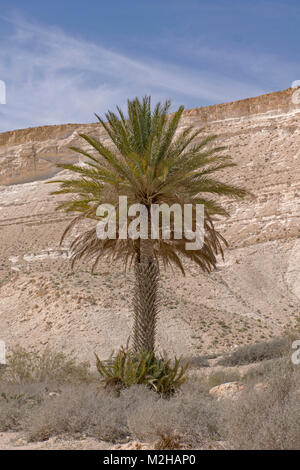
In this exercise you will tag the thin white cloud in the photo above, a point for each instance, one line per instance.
(260, 67)
(52, 77)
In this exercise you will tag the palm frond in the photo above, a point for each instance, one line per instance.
(150, 160)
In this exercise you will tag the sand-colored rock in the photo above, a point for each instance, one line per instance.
(227, 390)
(253, 295)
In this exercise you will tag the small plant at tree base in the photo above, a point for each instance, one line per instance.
(127, 368)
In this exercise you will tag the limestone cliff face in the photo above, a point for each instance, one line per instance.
(262, 135)
(255, 292)
(280, 101)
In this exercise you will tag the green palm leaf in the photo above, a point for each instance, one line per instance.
(150, 159)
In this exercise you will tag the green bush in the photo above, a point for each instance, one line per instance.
(128, 368)
(33, 367)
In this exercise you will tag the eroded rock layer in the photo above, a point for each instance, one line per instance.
(253, 295)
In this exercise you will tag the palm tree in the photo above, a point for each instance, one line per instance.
(150, 161)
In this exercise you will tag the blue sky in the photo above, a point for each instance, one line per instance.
(63, 60)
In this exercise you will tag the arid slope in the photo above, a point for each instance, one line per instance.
(253, 295)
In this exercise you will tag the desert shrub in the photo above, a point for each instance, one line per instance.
(128, 368)
(58, 406)
(259, 371)
(199, 361)
(248, 354)
(31, 366)
(138, 412)
(190, 413)
(255, 423)
(77, 410)
(266, 417)
(15, 401)
(10, 416)
(222, 376)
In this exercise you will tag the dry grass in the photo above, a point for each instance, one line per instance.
(169, 441)
(15, 401)
(77, 411)
(189, 412)
(264, 417)
(222, 376)
(33, 367)
(257, 352)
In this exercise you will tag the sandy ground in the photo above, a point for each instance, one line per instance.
(14, 441)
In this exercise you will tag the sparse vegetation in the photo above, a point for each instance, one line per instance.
(34, 367)
(222, 376)
(265, 415)
(77, 410)
(170, 441)
(129, 368)
(256, 352)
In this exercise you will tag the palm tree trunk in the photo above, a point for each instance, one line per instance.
(145, 301)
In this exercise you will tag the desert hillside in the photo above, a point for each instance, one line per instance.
(254, 294)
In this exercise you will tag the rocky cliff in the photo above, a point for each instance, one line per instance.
(262, 135)
(255, 293)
